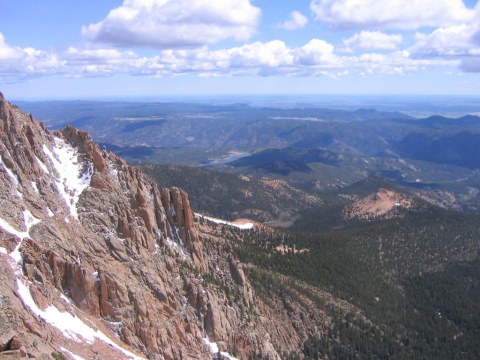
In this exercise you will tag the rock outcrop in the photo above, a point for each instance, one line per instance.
(87, 233)
(382, 204)
(97, 261)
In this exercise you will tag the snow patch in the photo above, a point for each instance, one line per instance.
(176, 236)
(64, 298)
(29, 220)
(71, 354)
(42, 165)
(246, 226)
(71, 326)
(11, 230)
(213, 347)
(71, 182)
(15, 254)
(3, 251)
(12, 176)
(49, 212)
(113, 325)
(34, 186)
(176, 248)
(176, 244)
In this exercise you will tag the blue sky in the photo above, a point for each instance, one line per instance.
(132, 48)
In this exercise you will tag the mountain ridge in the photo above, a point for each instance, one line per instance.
(85, 236)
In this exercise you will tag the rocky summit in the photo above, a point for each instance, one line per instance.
(381, 204)
(98, 262)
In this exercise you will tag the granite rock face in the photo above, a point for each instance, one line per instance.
(93, 230)
(96, 260)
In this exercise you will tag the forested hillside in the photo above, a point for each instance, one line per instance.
(413, 279)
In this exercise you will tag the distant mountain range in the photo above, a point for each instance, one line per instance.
(364, 132)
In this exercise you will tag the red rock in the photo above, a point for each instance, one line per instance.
(114, 262)
(14, 344)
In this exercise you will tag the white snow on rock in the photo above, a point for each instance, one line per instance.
(3, 251)
(49, 212)
(11, 230)
(71, 354)
(177, 249)
(71, 181)
(12, 176)
(42, 165)
(64, 298)
(34, 186)
(245, 226)
(213, 347)
(29, 220)
(71, 326)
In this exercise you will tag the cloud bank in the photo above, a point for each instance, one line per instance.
(22, 63)
(390, 14)
(372, 40)
(315, 58)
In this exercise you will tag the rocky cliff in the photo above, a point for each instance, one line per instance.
(96, 261)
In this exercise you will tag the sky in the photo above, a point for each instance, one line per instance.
(101, 49)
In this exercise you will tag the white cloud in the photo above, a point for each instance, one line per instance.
(7, 52)
(265, 59)
(316, 52)
(81, 62)
(297, 20)
(316, 58)
(452, 41)
(175, 23)
(372, 40)
(249, 59)
(16, 62)
(271, 54)
(459, 42)
(395, 63)
(76, 54)
(397, 14)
